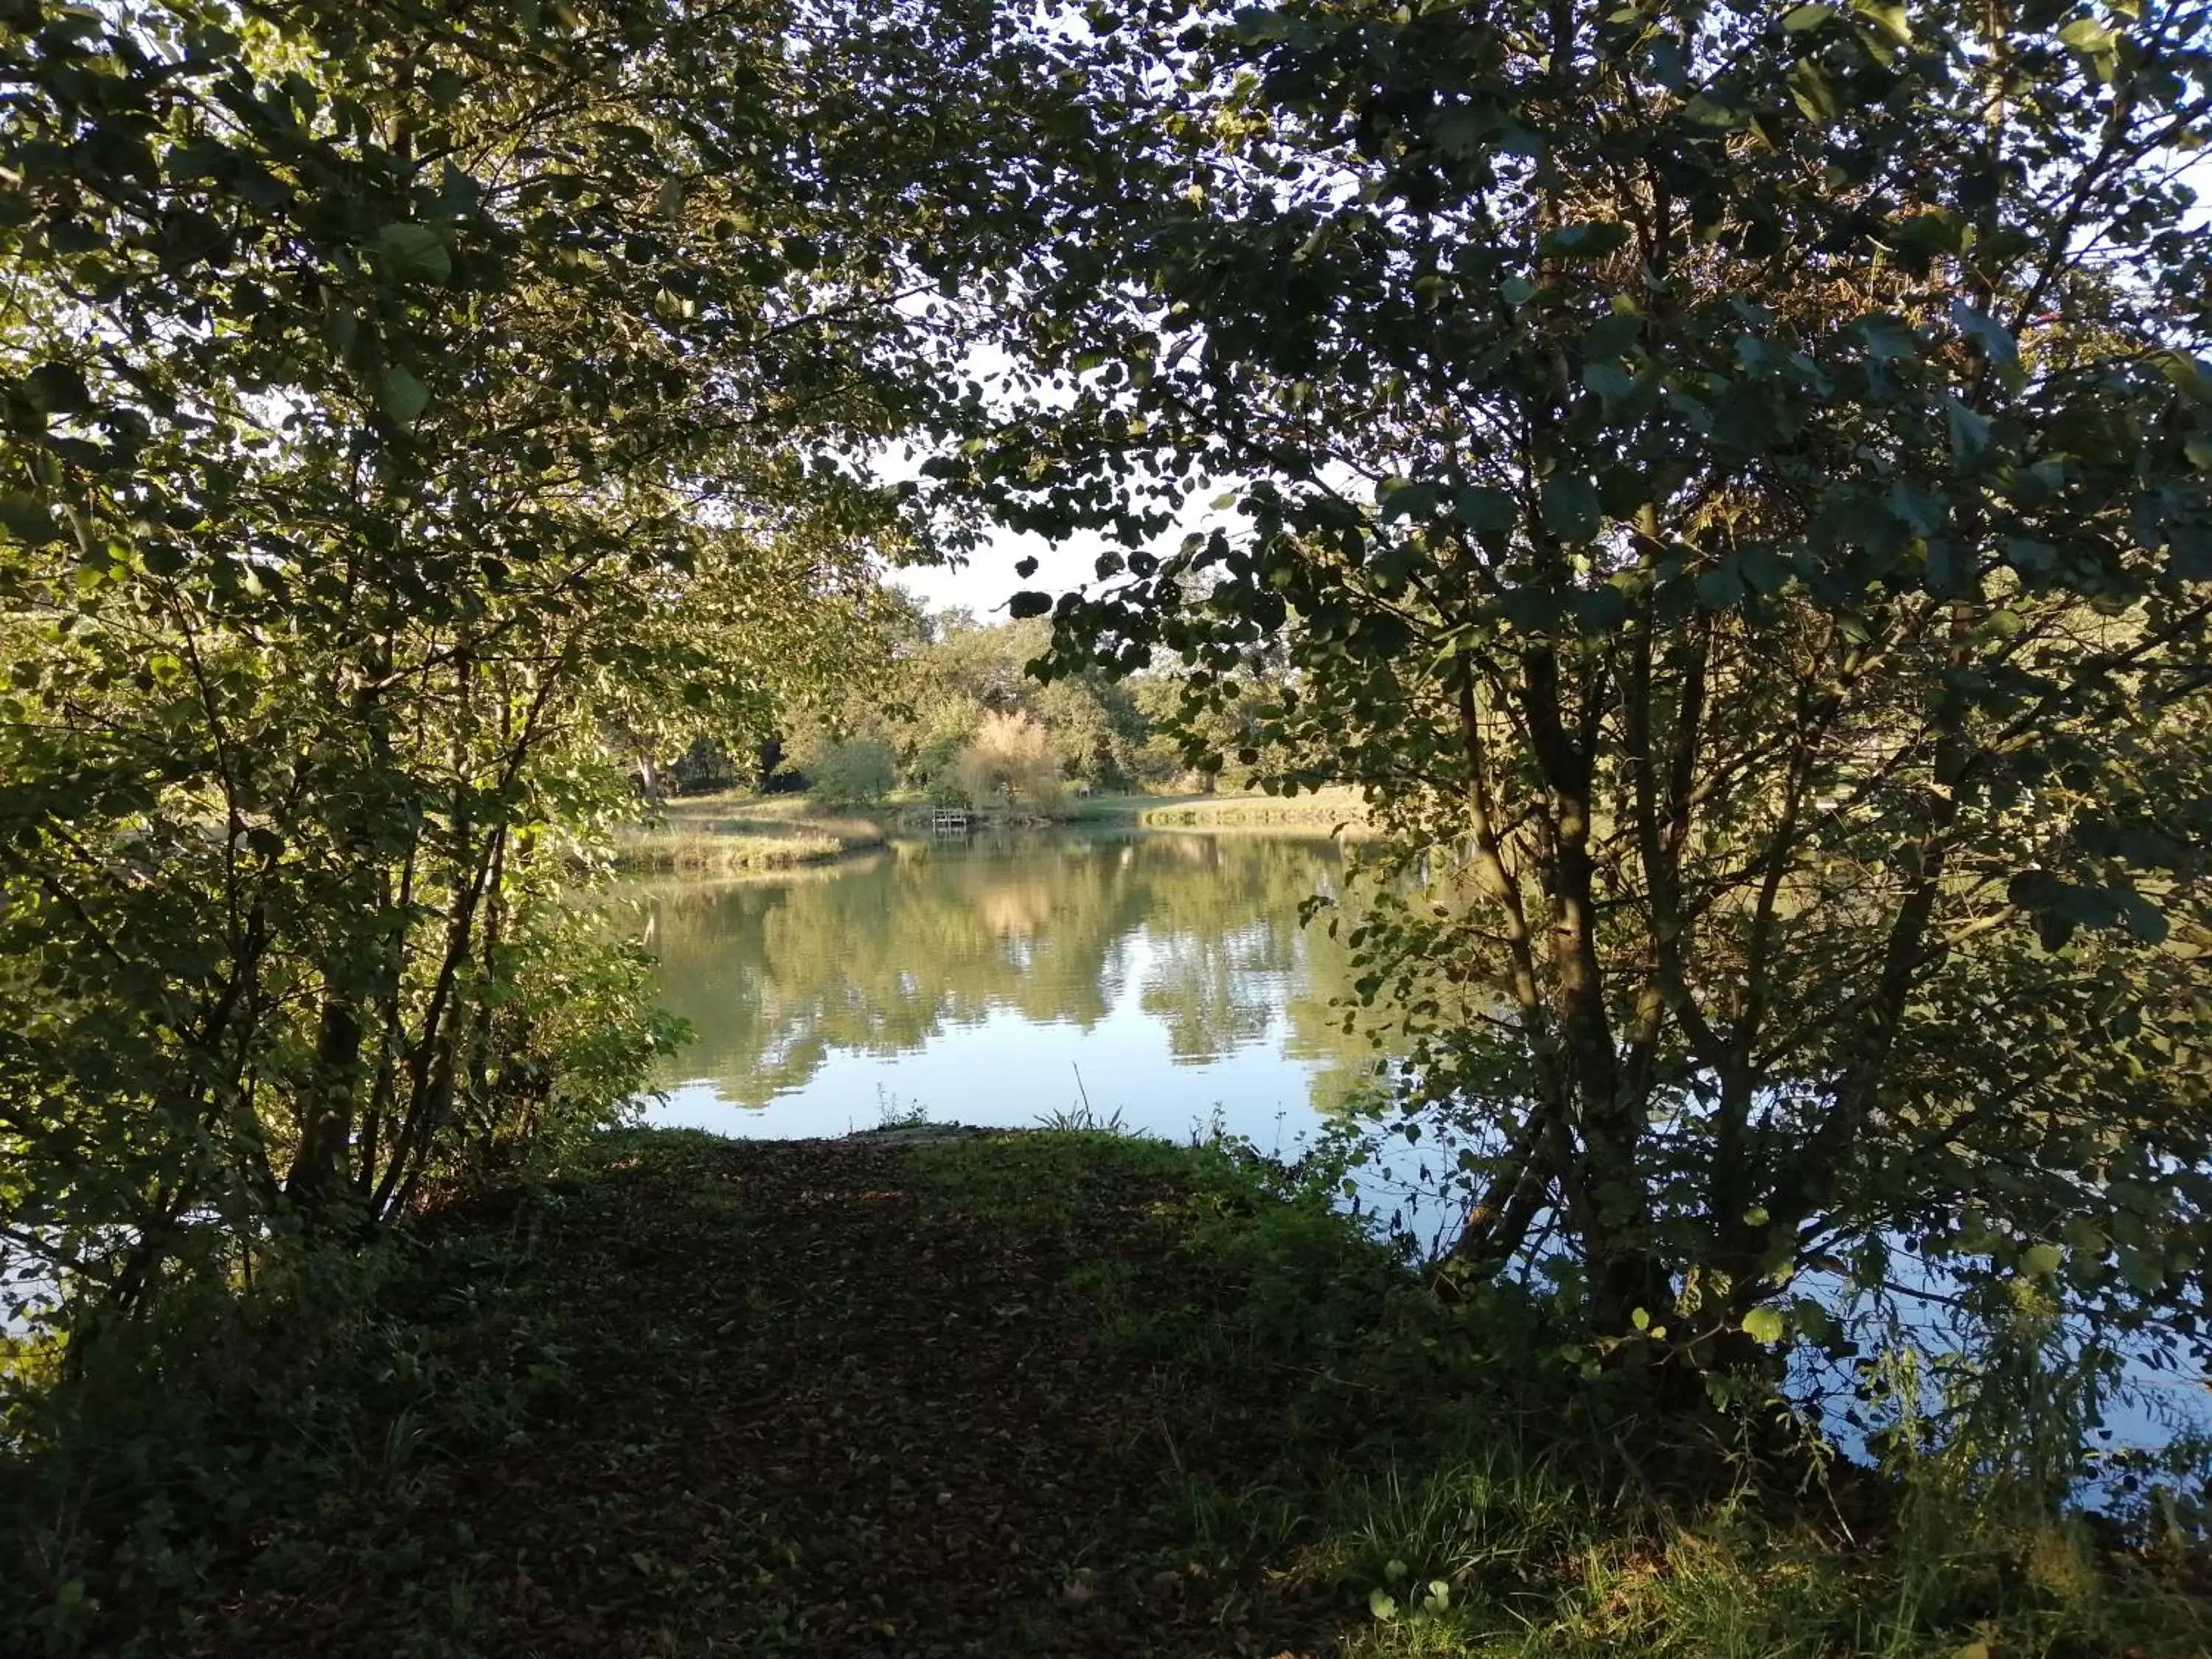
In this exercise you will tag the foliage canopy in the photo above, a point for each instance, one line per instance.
(1732, 483)
(403, 408)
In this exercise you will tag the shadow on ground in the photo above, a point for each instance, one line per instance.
(804, 1410)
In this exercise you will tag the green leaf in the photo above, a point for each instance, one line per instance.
(1763, 1325)
(1395, 561)
(1888, 339)
(1888, 16)
(2144, 1271)
(1600, 610)
(2142, 918)
(1486, 510)
(1996, 344)
(2189, 552)
(1402, 498)
(412, 252)
(1707, 111)
(1815, 1321)
(1382, 1604)
(1570, 508)
(1029, 602)
(2088, 36)
(1534, 609)
(403, 396)
(28, 520)
(1801, 18)
(1723, 585)
(2041, 1260)
(1810, 90)
(1610, 381)
(1949, 568)
(1744, 416)
(1940, 230)
(56, 389)
(1763, 570)
(1970, 430)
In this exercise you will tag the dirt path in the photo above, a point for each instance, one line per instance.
(807, 1411)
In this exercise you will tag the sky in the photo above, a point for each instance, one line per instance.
(983, 584)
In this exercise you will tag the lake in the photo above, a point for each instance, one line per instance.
(1001, 979)
(1006, 979)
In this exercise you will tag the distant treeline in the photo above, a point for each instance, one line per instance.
(956, 717)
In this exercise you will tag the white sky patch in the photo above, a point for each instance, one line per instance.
(987, 581)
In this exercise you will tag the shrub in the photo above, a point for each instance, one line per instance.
(858, 772)
(1010, 763)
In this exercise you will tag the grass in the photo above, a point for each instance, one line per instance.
(720, 853)
(1052, 1391)
(739, 834)
(1324, 810)
(1432, 1465)
(742, 834)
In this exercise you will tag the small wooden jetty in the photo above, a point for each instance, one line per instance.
(948, 821)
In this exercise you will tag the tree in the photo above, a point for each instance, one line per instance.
(397, 402)
(1204, 726)
(857, 772)
(1095, 729)
(1731, 483)
(942, 676)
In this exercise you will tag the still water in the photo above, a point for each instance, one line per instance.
(1001, 979)
(1006, 979)
(1160, 978)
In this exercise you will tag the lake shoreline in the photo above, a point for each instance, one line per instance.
(726, 835)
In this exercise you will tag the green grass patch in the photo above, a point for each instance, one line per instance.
(1436, 1467)
(715, 853)
(742, 835)
(1029, 1181)
(1320, 812)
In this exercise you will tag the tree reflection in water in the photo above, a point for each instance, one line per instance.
(1062, 932)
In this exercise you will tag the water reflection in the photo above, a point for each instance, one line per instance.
(978, 978)
(975, 979)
